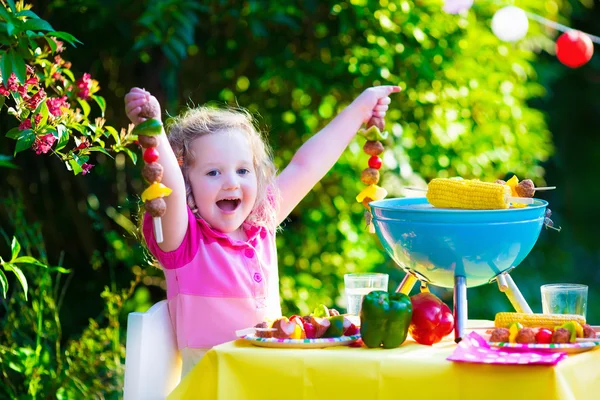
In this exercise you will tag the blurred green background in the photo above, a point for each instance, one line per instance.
(471, 105)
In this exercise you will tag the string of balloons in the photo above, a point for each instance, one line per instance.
(574, 48)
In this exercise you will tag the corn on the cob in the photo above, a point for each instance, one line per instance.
(467, 194)
(551, 321)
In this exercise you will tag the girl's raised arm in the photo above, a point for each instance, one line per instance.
(174, 222)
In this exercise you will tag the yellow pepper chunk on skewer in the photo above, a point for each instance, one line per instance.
(373, 192)
(155, 191)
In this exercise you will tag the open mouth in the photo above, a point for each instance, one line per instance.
(228, 204)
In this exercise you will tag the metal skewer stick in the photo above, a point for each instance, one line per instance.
(511, 199)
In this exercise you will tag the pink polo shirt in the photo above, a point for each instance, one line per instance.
(216, 285)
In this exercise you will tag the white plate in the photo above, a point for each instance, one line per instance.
(547, 348)
(300, 343)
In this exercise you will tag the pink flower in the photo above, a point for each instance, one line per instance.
(3, 90)
(35, 100)
(84, 144)
(84, 84)
(86, 168)
(30, 70)
(43, 144)
(32, 81)
(59, 45)
(56, 104)
(12, 83)
(22, 90)
(26, 124)
(58, 77)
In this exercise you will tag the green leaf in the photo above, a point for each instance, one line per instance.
(5, 162)
(6, 64)
(75, 167)
(43, 110)
(15, 248)
(68, 73)
(5, 14)
(59, 269)
(11, 4)
(37, 25)
(113, 132)
(13, 133)
(29, 260)
(85, 107)
(16, 64)
(131, 154)
(2, 100)
(4, 283)
(67, 37)
(51, 43)
(27, 13)
(63, 136)
(19, 274)
(101, 150)
(150, 127)
(11, 28)
(24, 141)
(101, 103)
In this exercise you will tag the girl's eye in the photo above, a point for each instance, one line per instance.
(243, 171)
(213, 173)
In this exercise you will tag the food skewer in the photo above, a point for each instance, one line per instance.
(153, 196)
(471, 194)
(370, 176)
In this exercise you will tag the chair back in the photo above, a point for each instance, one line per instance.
(152, 360)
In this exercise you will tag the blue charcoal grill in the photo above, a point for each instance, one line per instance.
(458, 248)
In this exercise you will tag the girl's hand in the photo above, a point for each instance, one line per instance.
(373, 102)
(140, 105)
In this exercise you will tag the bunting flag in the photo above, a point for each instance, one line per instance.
(510, 24)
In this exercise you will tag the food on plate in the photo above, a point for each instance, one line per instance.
(568, 332)
(431, 319)
(500, 335)
(561, 335)
(322, 323)
(530, 320)
(525, 335)
(384, 319)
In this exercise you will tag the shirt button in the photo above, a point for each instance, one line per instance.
(249, 253)
(257, 277)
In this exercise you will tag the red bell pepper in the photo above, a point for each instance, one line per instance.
(431, 319)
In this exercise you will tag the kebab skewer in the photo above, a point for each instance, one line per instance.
(153, 196)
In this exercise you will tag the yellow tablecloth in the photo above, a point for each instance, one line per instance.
(239, 370)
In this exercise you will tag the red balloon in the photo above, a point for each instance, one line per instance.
(574, 48)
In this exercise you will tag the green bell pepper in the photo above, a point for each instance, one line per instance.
(384, 319)
(373, 134)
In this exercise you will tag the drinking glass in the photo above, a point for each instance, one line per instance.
(358, 285)
(564, 298)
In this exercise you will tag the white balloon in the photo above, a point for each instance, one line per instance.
(510, 24)
(457, 6)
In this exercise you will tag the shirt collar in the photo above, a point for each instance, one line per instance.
(252, 232)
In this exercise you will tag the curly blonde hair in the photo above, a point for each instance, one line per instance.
(204, 120)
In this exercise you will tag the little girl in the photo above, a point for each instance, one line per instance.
(218, 252)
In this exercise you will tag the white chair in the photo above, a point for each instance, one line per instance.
(152, 360)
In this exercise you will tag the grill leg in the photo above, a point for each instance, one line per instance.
(460, 307)
(407, 284)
